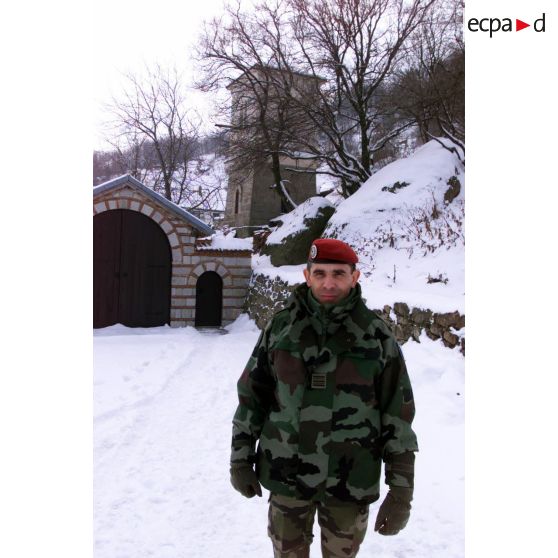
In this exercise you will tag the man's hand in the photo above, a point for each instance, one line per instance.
(245, 480)
(394, 511)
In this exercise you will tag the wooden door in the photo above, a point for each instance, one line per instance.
(106, 268)
(209, 299)
(132, 270)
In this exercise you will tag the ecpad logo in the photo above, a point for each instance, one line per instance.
(494, 24)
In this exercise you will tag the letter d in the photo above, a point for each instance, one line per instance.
(535, 26)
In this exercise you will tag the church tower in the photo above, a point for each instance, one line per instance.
(251, 199)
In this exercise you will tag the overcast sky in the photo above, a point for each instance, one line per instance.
(47, 244)
(133, 33)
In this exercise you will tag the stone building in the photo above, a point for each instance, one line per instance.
(251, 203)
(153, 266)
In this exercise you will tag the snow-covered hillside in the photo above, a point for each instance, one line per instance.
(164, 401)
(410, 241)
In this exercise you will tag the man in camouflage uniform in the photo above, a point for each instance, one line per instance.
(327, 397)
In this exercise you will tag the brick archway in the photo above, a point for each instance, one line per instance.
(218, 267)
(149, 211)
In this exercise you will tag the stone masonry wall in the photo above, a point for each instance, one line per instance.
(188, 263)
(243, 183)
(234, 267)
(266, 204)
(267, 296)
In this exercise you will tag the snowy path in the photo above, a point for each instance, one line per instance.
(164, 400)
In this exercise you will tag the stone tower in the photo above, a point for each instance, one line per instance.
(251, 202)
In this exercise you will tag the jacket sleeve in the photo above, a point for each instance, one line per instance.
(256, 392)
(397, 412)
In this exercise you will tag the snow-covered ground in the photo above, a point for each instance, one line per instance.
(164, 400)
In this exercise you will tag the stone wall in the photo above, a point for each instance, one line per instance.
(267, 296)
(409, 323)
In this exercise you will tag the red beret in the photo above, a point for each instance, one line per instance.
(325, 250)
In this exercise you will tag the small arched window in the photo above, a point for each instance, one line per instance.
(236, 202)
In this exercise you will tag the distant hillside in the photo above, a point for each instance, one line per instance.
(206, 192)
(109, 164)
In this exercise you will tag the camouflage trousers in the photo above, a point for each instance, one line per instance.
(290, 527)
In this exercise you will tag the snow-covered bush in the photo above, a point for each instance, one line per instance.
(426, 227)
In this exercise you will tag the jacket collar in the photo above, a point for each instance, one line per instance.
(304, 298)
(331, 322)
(318, 332)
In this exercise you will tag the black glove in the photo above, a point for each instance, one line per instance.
(245, 480)
(394, 511)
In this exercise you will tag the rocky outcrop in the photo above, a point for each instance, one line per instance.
(294, 248)
(453, 191)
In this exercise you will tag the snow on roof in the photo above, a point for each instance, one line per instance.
(220, 241)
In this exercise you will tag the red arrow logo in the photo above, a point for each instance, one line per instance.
(519, 25)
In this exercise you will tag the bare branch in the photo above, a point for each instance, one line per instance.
(153, 129)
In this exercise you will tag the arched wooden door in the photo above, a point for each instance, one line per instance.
(209, 299)
(131, 270)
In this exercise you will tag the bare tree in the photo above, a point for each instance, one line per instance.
(355, 45)
(248, 52)
(156, 136)
(430, 88)
(128, 155)
(325, 64)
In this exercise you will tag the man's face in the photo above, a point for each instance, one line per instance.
(330, 283)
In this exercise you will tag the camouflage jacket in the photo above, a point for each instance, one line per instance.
(327, 397)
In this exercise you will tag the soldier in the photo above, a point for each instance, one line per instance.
(327, 398)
